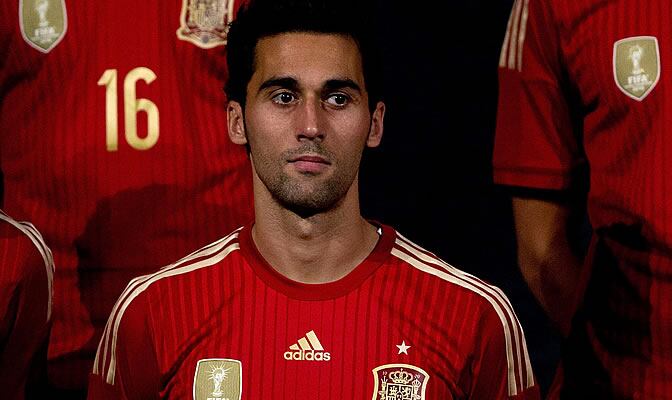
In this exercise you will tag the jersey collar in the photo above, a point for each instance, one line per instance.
(321, 291)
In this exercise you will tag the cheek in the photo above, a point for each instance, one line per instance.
(264, 131)
(354, 122)
(357, 131)
(259, 120)
(352, 144)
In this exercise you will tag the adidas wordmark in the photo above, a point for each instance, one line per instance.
(308, 348)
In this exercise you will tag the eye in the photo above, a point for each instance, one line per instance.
(284, 98)
(338, 99)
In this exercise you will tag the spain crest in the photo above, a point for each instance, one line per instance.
(205, 22)
(637, 65)
(218, 379)
(399, 382)
(43, 23)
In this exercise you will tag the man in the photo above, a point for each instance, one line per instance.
(583, 88)
(111, 143)
(310, 300)
(26, 275)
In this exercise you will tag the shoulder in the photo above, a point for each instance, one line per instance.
(493, 317)
(186, 267)
(453, 279)
(25, 238)
(129, 313)
(180, 271)
(557, 14)
(23, 253)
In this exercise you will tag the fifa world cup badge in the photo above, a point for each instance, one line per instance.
(636, 65)
(43, 23)
(218, 379)
(205, 22)
(399, 382)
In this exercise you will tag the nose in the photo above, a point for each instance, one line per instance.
(310, 125)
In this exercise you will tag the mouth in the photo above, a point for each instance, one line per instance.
(310, 163)
(310, 158)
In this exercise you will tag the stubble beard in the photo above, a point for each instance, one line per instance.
(309, 194)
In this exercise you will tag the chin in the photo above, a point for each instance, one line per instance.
(308, 207)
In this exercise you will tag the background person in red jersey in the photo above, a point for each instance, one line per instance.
(26, 276)
(113, 143)
(585, 92)
(310, 300)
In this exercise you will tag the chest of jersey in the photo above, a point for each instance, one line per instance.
(368, 344)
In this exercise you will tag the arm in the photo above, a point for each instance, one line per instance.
(546, 256)
(538, 148)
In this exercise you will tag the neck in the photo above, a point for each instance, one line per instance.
(317, 249)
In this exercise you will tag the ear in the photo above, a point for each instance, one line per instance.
(376, 130)
(236, 123)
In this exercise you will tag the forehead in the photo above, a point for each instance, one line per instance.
(308, 57)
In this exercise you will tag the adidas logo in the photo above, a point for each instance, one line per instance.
(308, 348)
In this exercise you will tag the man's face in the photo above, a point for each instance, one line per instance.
(307, 119)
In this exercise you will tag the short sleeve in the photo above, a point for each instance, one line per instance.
(500, 367)
(26, 271)
(125, 365)
(535, 143)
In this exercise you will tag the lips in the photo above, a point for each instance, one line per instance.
(313, 159)
(309, 163)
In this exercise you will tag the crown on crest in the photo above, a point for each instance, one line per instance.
(401, 376)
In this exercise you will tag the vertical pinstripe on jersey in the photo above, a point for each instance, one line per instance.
(29, 230)
(519, 366)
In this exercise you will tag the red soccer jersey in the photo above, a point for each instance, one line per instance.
(402, 321)
(602, 67)
(26, 275)
(114, 143)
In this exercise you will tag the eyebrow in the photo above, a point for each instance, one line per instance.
(286, 82)
(293, 84)
(336, 84)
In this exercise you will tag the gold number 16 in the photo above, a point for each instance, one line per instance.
(132, 106)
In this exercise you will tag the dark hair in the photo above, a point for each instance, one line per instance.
(263, 18)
